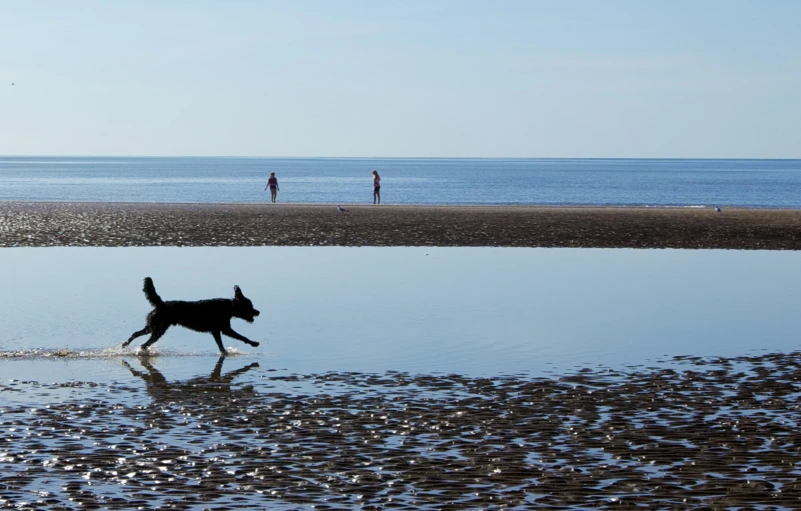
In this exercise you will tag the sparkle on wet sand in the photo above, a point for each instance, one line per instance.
(699, 432)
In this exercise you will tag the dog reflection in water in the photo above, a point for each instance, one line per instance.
(196, 388)
(213, 316)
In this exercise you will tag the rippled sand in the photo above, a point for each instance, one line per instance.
(129, 224)
(720, 433)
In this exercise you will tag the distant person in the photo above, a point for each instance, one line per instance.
(376, 188)
(272, 184)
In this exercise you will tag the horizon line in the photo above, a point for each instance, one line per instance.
(397, 157)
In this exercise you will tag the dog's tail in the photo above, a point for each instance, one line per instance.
(150, 293)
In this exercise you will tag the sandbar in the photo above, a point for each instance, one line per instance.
(40, 224)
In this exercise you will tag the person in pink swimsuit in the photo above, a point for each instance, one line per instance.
(272, 184)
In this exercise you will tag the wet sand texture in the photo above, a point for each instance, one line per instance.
(711, 434)
(128, 224)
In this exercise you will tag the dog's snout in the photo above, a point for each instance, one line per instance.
(255, 312)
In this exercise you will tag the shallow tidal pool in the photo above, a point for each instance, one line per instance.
(403, 377)
(475, 311)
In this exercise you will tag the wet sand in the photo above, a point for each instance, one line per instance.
(136, 224)
(698, 433)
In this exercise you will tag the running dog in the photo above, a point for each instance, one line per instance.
(212, 316)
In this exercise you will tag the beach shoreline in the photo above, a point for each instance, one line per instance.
(42, 224)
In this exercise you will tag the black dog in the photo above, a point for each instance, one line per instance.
(202, 316)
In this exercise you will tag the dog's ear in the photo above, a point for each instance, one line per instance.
(238, 292)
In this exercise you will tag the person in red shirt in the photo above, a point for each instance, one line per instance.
(376, 187)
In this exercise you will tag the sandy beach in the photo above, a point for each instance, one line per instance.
(138, 224)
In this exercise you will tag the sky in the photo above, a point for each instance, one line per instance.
(411, 78)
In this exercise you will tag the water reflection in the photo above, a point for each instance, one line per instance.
(477, 311)
(216, 387)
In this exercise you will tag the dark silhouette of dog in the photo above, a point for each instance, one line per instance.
(213, 316)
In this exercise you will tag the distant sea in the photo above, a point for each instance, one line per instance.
(455, 181)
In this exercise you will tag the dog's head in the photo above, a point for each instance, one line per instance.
(243, 308)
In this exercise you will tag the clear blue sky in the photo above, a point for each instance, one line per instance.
(527, 78)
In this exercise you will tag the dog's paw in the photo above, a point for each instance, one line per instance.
(253, 343)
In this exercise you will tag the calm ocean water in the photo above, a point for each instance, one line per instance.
(618, 182)
(470, 311)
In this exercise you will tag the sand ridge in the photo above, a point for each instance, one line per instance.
(138, 224)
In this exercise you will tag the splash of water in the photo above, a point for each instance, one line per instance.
(107, 352)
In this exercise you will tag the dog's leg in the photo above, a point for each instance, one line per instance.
(230, 333)
(218, 339)
(140, 333)
(155, 336)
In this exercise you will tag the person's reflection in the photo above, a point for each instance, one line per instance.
(216, 386)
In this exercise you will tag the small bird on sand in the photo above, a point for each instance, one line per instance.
(342, 209)
(717, 209)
